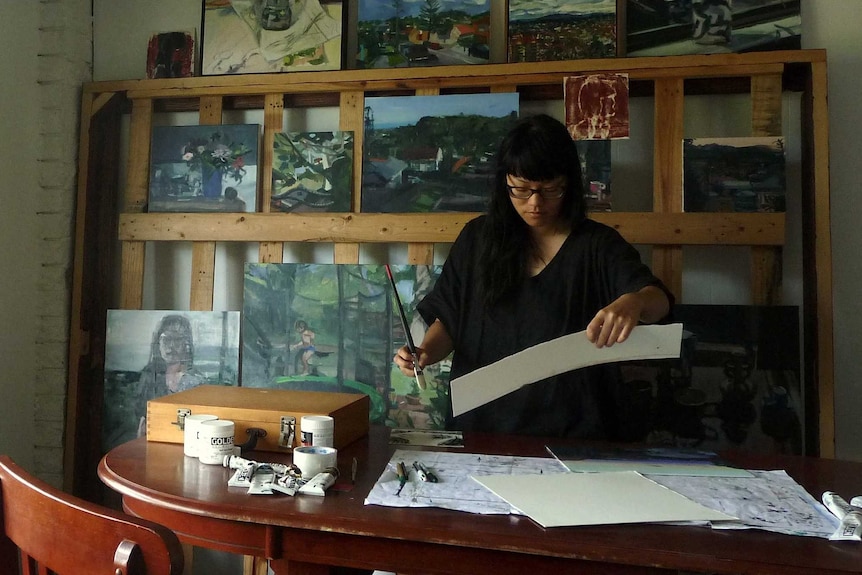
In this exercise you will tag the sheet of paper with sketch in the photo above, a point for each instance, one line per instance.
(557, 356)
(311, 27)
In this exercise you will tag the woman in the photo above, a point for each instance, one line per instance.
(532, 269)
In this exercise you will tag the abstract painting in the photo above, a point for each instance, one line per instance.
(674, 27)
(546, 30)
(329, 327)
(736, 385)
(597, 106)
(254, 36)
(171, 55)
(422, 33)
(734, 174)
(312, 171)
(432, 153)
(151, 354)
(204, 168)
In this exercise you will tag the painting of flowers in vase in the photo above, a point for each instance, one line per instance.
(204, 168)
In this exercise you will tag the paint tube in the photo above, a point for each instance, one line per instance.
(856, 502)
(850, 528)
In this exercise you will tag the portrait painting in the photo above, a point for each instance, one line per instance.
(677, 27)
(734, 174)
(547, 30)
(204, 168)
(597, 106)
(171, 55)
(312, 171)
(336, 327)
(432, 153)
(423, 33)
(154, 353)
(266, 36)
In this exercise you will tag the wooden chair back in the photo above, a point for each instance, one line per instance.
(45, 531)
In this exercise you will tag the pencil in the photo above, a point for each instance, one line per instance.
(417, 371)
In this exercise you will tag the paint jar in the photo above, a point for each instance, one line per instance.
(191, 432)
(217, 440)
(317, 430)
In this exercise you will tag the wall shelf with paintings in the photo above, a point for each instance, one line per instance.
(666, 228)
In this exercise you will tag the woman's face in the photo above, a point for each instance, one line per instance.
(541, 208)
(174, 345)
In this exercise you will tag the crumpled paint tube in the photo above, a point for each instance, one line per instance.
(850, 528)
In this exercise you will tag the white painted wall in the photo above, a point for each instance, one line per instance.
(19, 256)
(122, 28)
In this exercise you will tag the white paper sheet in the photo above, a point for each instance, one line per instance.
(557, 356)
(561, 499)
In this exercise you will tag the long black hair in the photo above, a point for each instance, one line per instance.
(539, 149)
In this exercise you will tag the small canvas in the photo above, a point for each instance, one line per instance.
(734, 174)
(433, 153)
(204, 168)
(562, 30)
(259, 36)
(312, 171)
(151, 354)
(595, 156)
(335, 327)
(423, 33)
(171, 55)
(676, 27)
(597, 106)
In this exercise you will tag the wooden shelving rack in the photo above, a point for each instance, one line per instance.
(100, 226)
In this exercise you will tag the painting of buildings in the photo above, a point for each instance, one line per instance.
(561, 30)
(422, 33)
(312, 171)
(327, 327)
(674, 27)
(734, 174)
(432, 153)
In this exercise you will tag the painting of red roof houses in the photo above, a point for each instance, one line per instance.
(432, 153)
(405, 33)
(548, 30)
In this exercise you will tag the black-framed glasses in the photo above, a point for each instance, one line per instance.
(547, 193)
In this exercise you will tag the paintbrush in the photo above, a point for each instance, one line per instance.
(417, 371)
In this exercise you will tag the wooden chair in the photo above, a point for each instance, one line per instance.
(45, 531)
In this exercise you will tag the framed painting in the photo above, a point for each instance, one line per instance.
(151, 354)
(676, 27)
(561, 30)
(595, 156)
(423, 33)
(260, 36)
(734, 174)
(329, 327)
(432, 153)
(312, 171)
(204, 168)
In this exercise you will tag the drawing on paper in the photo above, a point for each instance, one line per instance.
(597, 106)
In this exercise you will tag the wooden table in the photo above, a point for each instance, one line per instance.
(305, 534)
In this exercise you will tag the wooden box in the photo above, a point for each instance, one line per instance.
(260, 408)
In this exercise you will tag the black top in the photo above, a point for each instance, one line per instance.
(594, 266)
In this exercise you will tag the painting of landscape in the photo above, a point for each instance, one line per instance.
(312, 171)
(561, 30)
(734, 174)
(335, 327)
(432, 153)
(400, 34)
(675, 27)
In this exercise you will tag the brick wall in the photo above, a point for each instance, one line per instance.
(65, 62)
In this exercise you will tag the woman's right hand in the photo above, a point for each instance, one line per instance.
(404, 359)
